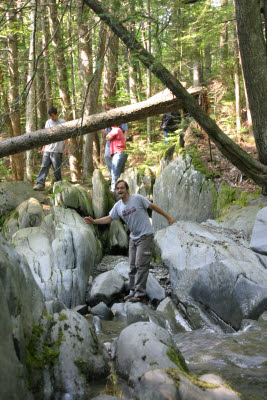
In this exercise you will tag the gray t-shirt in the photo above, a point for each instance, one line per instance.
(135, 215)
(57, 147)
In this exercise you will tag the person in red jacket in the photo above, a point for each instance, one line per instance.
(117, 153)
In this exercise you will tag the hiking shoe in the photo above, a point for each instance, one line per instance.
(129, 296)
(39, 186)
(140, 299)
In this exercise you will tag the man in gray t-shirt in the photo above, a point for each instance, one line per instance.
(132, 209)
(52, 153)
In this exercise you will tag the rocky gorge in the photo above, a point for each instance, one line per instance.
(66, 332)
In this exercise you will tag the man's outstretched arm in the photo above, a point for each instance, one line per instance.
(161, 212)
(98, 221)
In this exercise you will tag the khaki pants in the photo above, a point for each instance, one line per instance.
(139, 259)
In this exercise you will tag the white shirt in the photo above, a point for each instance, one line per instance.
(57, 147)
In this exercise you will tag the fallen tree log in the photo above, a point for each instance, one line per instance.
(160, 103)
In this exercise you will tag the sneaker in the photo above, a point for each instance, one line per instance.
(39, 186)
(139, 299)
(129, 296)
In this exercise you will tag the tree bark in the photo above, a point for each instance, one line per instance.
(12, 42)
(93, 104)
(158, 104)
(45, 38)
(30, 104)
(254, 62)
(75, 144)
(249, 166)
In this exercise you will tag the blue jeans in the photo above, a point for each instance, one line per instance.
(107, 156)
(118, 165)
(50, 158)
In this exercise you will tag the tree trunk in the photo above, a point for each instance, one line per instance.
(93, 104)
(12, 43)
(30, 104)
(158, 104)
(230, 149)
(45, 38)
(75, 143)
(237, 87)
(86, 72)
(254, 62)
(148, 72)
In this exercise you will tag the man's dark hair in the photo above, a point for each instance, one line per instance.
(126, 184)
(52, 110)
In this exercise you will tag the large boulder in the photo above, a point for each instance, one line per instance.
(183, 193)
(118, 241)
(21, 304)
(140, 181)
(218, 271)
(27, 214)
(81, 360)
(101, 197)
(73, 196)
(13, 194)
(106, 288)
(258, 241)
(61, 254)
(143, 346)
(170, 384)
(241, 218)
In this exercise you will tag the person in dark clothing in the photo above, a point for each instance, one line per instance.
(170, 123)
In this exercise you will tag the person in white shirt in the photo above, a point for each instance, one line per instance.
(52, 153)
(132, 209)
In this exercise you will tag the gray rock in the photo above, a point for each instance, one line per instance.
(101, 198)
(13, 194)
(161, 385)
(106, 397)
(176, 321)
(258, 241)
(240, 218)
(117, 238)
(142, 346)
(140, 182)
(102, 311)
(154, 290)
(232, 289)
(82, 358)
(119, 310)
(29, 213)
(21, 304)
(156, 384)
(62, 259)
(123, 269)
(183, 193)
(73, 196)
(212, 268)
(106, 287)
(54, 306)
